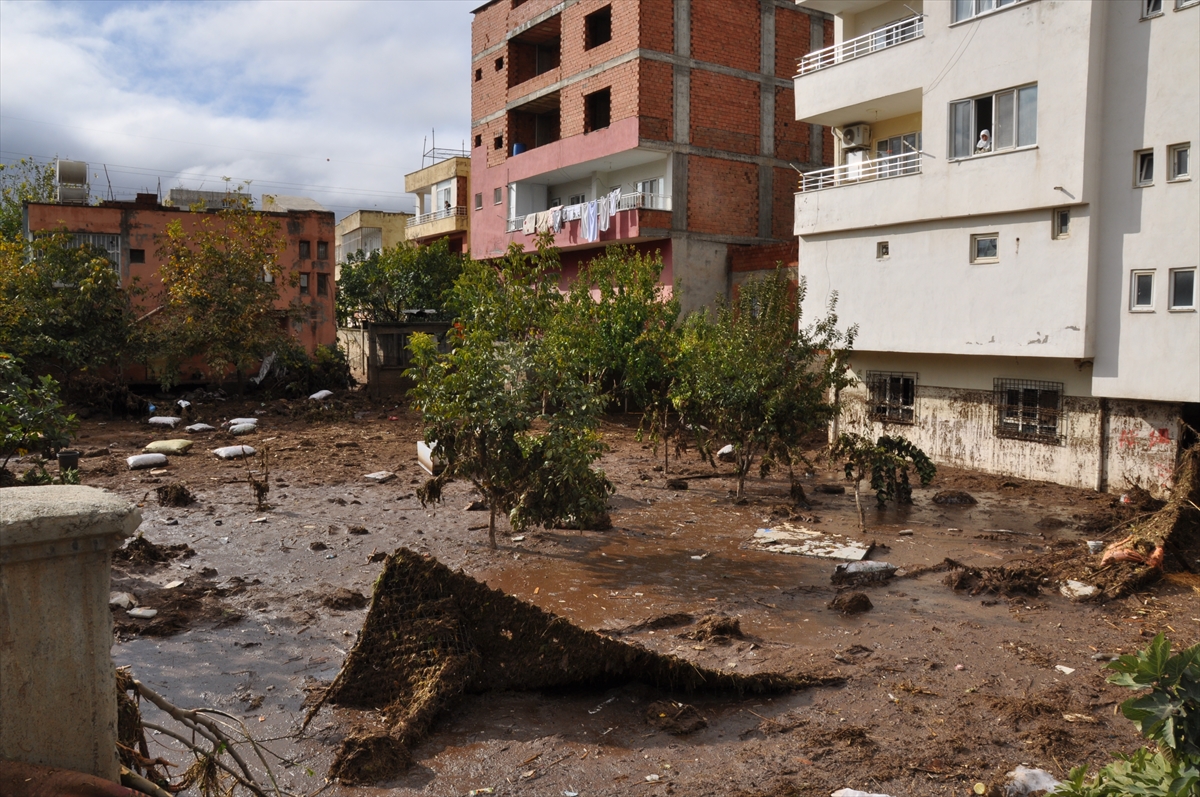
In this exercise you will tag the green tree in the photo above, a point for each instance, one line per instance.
(31, 415)
(886, 462)
(21, 182)
(384, 286)
(62, 307)
(219, 292)
(754, 378)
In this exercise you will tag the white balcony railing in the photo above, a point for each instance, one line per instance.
(630, 201)
(444, 213)
(878, 169)
(888, 36)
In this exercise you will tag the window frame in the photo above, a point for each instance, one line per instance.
(889, 399)
(1171, 305)
(1182, 4)
(322, 250)
(303, 285)
(498, 195)
(1020, 138)
(1134, 307)
(975, 238)
(1147, 13)
(577, 199)
(479, 201)
(137, 256)
(591, 108)
(980, 8)
(1023, 421)
(305, 250)
(590, 30)
(1057, 231)
(322, 284)
(883, 250)
(1173, 151)
(1138, 157)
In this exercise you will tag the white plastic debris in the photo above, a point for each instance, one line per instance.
(139, 461)
(239, 421)
(164, 420)
(1024, 780)
(320, 395)
(652, 778)
(234, 452)
(857, 793)
(1077, 589)
(1096, 546)
(862, 572)
(184, 404)
(726, 453)
(243, 428)
(1064, 669)
(142, 613)
(380, 476)
(200, 427)
(173, 584)
(787, 538)
(123, 600)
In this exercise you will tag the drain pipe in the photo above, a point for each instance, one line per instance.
(1102, 459)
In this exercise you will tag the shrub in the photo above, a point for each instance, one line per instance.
(32, 418)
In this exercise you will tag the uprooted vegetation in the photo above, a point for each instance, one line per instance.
(432, 634)
(140, 551)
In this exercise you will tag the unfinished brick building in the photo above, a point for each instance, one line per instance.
(676, 114)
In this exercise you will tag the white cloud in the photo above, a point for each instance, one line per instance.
(293, 95)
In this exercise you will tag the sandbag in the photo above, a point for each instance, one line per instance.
(320, 395)
(139, 461)
(168, 447)
(200, 427)
(243, 428)
(234, 452)
(240, 421)
(164, 420)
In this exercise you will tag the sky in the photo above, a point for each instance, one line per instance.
(329, 100)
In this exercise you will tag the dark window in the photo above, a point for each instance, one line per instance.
(498, 142)
(305, 249)
(499, 63)
(516, 3)
(322, 250)
(137, 255)
(322, 285)
(893, 396)
(479, 201)
(478, 75)
(304, 284)
(479, 140)
(597, 110)
(1028, 409)
(597, 28)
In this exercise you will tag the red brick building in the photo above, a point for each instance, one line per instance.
(681, 111)
(130, 232)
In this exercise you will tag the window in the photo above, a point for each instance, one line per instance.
(908, 146)
(499, 63)
(322, 250)
(497, 195)
(577, 199)
(893, 396)
(1143, 165)
(479, 201)
(1183, 289)
(111, 244)
(965, 9)
(322, 285)
(479, 140)
(597, 110)
(498, 142)
(597, 28)
(1151, 8)
(304, 284)
(1185, 3)
(478, 75)
(1178, 156)
(993, 122)
(137, 255)
(1062, 223)
(305, 250)
(1029, 410)
(883, 250)
(651, 187)
(985, 248)
(1141, 292)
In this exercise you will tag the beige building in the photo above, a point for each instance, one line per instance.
(443, 190)
(1011, 221)
(369, 231)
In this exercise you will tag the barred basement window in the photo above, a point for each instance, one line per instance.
(893, 396)
(1028, 409)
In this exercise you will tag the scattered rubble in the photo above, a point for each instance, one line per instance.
(954, 498)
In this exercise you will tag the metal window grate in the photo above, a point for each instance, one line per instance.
(1029, 409)
(892, 395)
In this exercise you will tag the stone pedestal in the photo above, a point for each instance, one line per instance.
(58, 703)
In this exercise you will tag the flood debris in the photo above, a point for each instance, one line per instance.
(717, 628)
(432, 634)
(673, 620)
(1003, 580)
(862, 572)
(166, 612)
(954, 498)
(174, 494)
(342, 599)
(793, 539)
(140, 551)
(1077, 590)
(678, 719)
(851, 603)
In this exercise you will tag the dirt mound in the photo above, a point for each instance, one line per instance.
(679, 719)
(851, 603)
(655, 624)
(193, 603)
(432, 634)
(717, 628)
(175, 494)
(140, 551)
(1003, 580)
(342, 599)
(954, 498)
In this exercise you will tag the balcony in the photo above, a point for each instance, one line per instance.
(889, 36)
(437, 223)
(636, 200)
(862, 171)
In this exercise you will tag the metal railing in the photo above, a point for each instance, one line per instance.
(889, 36)
(631, 201)
(878, 169)
(444, 213)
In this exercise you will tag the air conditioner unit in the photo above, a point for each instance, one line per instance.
(856, 136)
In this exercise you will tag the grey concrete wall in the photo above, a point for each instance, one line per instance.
(58, 698)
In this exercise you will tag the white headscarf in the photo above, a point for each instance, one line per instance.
(985, 140)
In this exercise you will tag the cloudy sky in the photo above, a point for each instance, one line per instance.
(330, 100)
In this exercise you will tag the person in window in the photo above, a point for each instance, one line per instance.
(984, 144)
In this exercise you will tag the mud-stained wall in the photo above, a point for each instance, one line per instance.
(1108, 447)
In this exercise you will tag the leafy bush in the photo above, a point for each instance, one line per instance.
(1169, 716)
(32, 417)
(296, 375)
(887, 462)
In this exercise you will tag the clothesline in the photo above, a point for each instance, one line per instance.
(595, 216)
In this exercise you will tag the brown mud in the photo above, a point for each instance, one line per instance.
(943, 690)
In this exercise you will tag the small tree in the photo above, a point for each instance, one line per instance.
(886, 462)
(21, 182)
(754, 378)
(386, 285)
(31, 415)
(216, 300)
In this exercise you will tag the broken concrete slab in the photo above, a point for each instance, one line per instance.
(801, 541)
(380, 476)
(863, 572)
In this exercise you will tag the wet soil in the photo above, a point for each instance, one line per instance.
(944, 688)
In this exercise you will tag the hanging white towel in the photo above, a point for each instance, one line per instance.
(602, 214)
(589, 222)
(573, 212)
(556, 219)
(614, 201)
(529, 226)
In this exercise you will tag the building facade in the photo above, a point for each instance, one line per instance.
(130, 232)
(665, 124)
(368, 231)
(1012, 223)
(443, 191)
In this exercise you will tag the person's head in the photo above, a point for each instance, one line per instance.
(984, 135)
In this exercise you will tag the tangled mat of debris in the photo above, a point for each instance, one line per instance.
(432, 634)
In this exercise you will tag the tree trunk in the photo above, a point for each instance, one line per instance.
(492, 523)
(862, 524)
(665, 440)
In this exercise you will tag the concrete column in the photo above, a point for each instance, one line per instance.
(58, 698)
(816, 135)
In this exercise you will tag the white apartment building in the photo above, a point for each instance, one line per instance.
(1026, 300)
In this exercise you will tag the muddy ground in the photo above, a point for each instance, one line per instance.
(942, 689)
